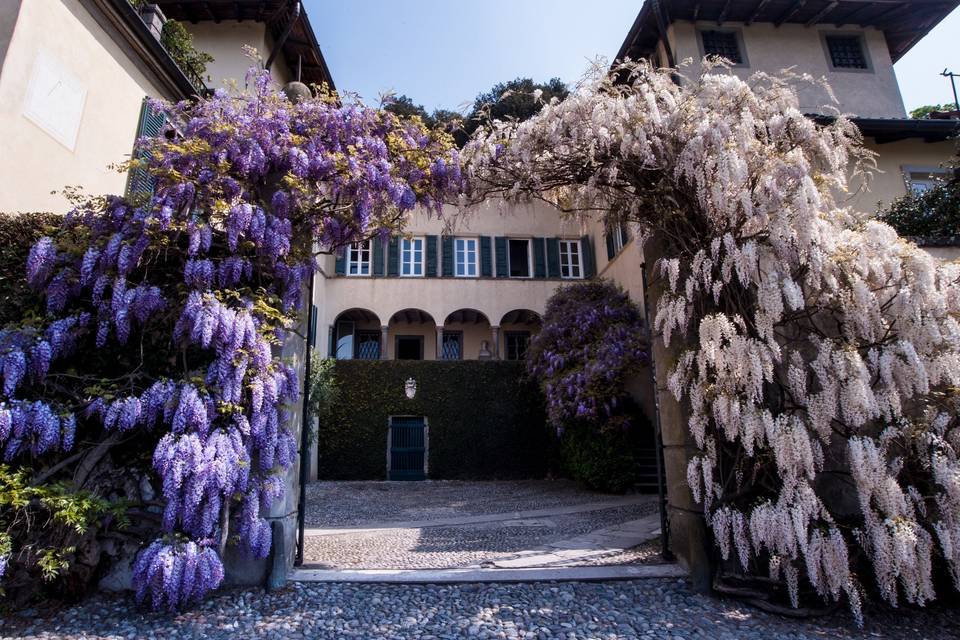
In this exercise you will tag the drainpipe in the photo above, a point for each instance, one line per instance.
(306, 421)
(283, 37)
(665, 552)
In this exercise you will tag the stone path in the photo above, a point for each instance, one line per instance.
(661, 609)
(437, 525)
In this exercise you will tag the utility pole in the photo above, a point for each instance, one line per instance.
(953, 85)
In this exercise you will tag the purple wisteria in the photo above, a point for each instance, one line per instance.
(590, 341)
(170, 307)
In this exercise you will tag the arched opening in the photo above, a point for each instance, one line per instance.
(356, 336)
(466, 335)
(412, 335)
(517, 327)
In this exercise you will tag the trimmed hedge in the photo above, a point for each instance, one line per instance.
(18, 233)
(485, 419)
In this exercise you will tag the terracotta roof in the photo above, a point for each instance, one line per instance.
(903, 22)
(301, 45)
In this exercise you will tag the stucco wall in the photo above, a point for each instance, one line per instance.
(63, 37)
(868, 93)
(225, 41)
(894, 158)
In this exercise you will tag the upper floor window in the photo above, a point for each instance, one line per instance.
(846, 52)
(570, 266)
(723, 44)
(411, 257)
(518, 257)
(358, 259)
(465, 257)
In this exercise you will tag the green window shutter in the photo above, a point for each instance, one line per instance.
(486, 257)
(447, 256)
(379, 267)
(393, 257)
(586, 255)
(341, 266)
(611, 248)
(553, 257)
(539, 259)
(313, 326)
(139, 181)
(431, 256)
(500, 244)
(625, 233)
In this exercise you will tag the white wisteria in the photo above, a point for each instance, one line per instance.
(818, 351)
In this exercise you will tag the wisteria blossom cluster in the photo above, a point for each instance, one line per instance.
(590, 342)
(170, 307)
(809, 342)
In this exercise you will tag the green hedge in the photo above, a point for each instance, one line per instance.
(18, 233)
(485, 420)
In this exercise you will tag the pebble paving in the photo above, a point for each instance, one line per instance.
(661, 609)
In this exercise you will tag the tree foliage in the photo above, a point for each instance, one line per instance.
(924, 112)
(811, 343)
(154, 354)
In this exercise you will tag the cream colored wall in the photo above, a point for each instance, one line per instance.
(872, 93)
(888, 183)
(32, 162)
(225, 41)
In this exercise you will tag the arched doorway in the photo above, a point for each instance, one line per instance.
(356, 335)
(411, 335)
(517, 327)
(465, 335)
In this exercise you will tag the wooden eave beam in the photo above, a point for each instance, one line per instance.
(724, 12)
(847, 18)
(790, 13)
(756, 12)
(822, 13)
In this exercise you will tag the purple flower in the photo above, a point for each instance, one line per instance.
(40, 262)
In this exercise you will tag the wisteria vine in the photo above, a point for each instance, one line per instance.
(165, 312)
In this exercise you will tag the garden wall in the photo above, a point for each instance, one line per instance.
(485, 420)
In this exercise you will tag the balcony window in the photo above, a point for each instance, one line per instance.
(465, 255)
(411, 257)
(358, 259)
(846, 52)
(570, 267)
(518, 254)
(722, 44)
(451, 347)
(368, 345)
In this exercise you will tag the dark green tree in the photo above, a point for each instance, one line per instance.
(924, 112)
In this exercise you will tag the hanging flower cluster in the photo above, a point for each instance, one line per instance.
(590, 342)
(189, 292)
(809, 341)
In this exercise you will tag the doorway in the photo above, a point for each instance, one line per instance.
(407, 453)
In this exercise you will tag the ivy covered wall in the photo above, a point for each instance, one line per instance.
(486, 421)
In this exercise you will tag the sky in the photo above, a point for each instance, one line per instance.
(442, 53)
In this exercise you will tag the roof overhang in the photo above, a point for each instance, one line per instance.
(903, 22)
(884, 130)
(299, 48)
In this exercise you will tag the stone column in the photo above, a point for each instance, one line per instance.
(439, 343)
(688, 530)
(384, 351)
(496, 342)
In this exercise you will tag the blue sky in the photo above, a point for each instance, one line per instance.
(442, 53)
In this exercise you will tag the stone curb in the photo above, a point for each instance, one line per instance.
(456, 576)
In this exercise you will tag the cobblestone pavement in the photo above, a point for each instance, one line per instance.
(343, 504)
(663, 609)
(391, 545)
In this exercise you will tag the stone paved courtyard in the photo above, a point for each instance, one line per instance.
(663, 609)
(448, 524)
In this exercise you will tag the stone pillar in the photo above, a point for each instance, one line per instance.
(439, 343)
(496, 342)
(688, 531)
(384, 352)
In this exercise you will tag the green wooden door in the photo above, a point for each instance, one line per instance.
(408, 448)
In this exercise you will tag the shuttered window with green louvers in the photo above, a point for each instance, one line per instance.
(431, 256)
(539, 258)
(379, 262)
(589, 263)
(447, 259)
(393, 257)
(486, 257)
(500, 244)
(139, 180)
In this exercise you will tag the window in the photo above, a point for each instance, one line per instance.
(517, 342)
(368, 345)
(724, 44)
(518, 254)
(846, 52)
(344, 346)
(465, 257)
(451, 347)
(358, 259)
(920, 179)
(570, 259)
(409, 347)
(411, 257)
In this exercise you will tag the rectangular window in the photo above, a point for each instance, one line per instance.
(409, 348)
(518, 253)
(723, 44)
(368, 345)
(846, 52)
(344, 346)
(465, 257)
(451, 347)
(570, 259)
(517, 343)
(411, 257)
(358, 259)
